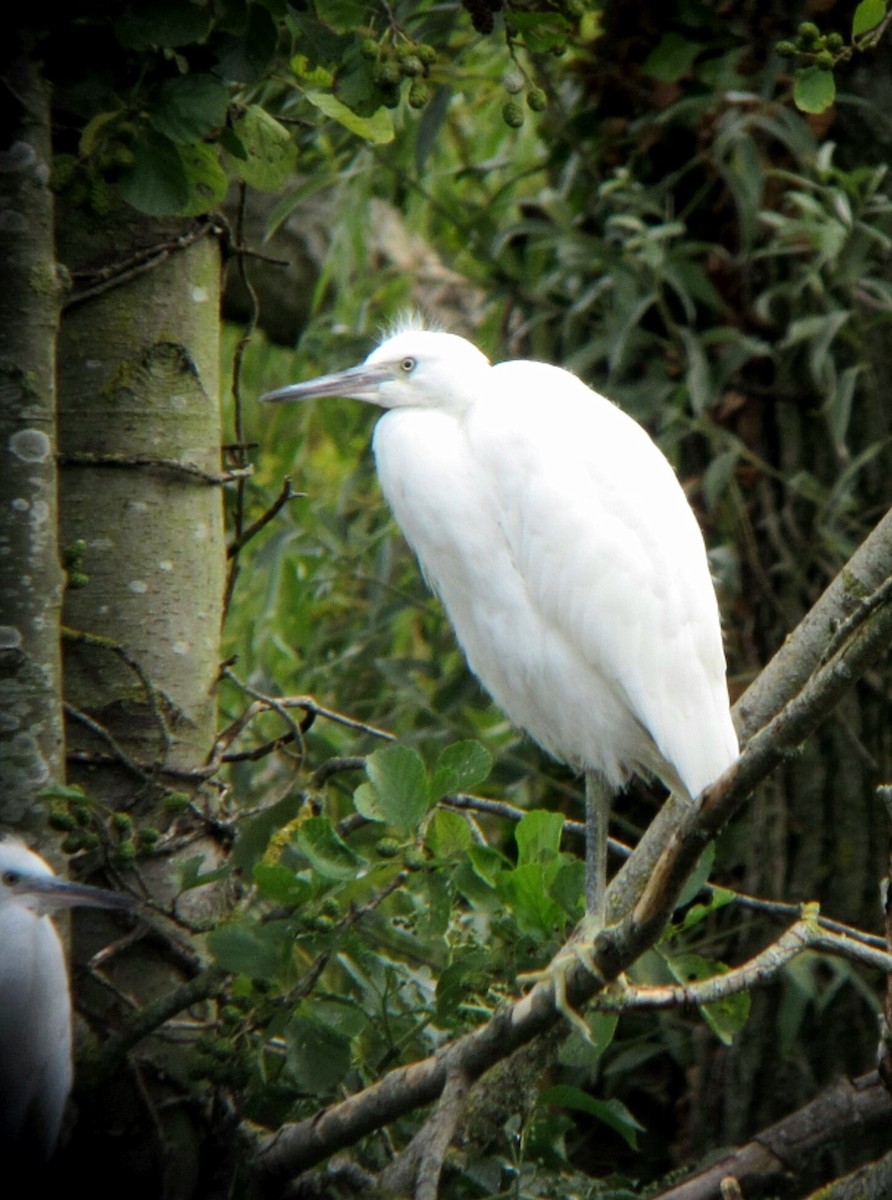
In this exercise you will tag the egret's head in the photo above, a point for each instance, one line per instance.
(27, 880)
(415, 368)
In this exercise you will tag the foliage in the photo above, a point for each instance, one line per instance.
(705, 252)
(816, 54)
(697, 287)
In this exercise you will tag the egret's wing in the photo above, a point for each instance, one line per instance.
(611, 555)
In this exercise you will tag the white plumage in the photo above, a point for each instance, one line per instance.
(35, 1004)
(564, 550)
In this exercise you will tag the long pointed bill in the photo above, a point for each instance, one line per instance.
(51, 893)
(359, 383)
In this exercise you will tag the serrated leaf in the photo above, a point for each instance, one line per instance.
(538, 836)
(580, 1052)
(542, 31)
(271, 153)
(867, 16)
(610, 1112)
(189, 107)
(671, 58)
(156, 184)
(814, 89)
(377, 128)
(471, 971)
(448, 835)
(724, 1017)
(398, 792)
(487, 863)
(698, 876)
(534, 910)
(168, 23)
(277, 883)
(327, 853)
(318, 1057)
(344, 16)
(205, 177)
(461, 766)
(192, 876)
(699, 912)
(249, 948)
(253, 836)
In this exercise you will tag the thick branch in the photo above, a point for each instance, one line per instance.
(844, 1110)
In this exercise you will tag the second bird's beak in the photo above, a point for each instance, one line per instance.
(357, 383)
(47, 893)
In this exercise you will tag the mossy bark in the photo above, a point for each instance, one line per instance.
(30, 576)
(142, 515)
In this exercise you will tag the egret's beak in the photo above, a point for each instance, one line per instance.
(47, 893)
(358, 383)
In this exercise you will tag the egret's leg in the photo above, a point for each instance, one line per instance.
(597, 821)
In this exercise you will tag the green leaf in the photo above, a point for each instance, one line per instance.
(271, 153)
(377, 128)
(725, 1017)
(166, 23)
(207, 180)
(328, 853)
(253, 836)
(156, 184)
(814, 89)
(448, 835)
(277, 883)
(398, 791)
(610, 1112)
(487, 863)
(867, 16)
(189, 108)
(461, 766)
(538, 836)
(534, 910)
(318, 1056)
(699, 912)
(585, 1053)
(698, 876)
(249, 948)
(470, 972)
(542, 31)
(191, 875)
(344, 16)
(671, 58)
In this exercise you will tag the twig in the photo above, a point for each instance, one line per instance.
(238, 420)
(100, 642)
(172, 466)
(209, 982)
(804, 935)
(119, 754)
(274, 509)
(117, 274)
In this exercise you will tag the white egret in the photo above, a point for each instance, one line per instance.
(567, 556)
(35, 1002)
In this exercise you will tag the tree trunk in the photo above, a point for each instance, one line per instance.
(142, 514)
(30, 576)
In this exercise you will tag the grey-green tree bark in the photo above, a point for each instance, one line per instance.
(30, 575)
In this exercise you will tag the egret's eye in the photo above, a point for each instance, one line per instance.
(407, 366)
(11, 878)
